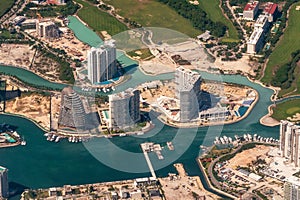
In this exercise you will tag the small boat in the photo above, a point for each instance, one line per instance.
(170, 146)
(23, 142)
(122, 135)
(57, 139)
(53, 138)
(80, 139)
(46, 134)
(73, 139)
(70, 139)
(140, 133)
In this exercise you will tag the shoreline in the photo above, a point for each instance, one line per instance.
(187, 125)
(273, 98)
(206, 179)
(10, 145)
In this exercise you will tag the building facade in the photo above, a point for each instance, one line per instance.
(102, 63)
(187, 90)
(72, 113)
(4, 192)
(250, 10)
(47, 29)
(124, 109)
(290, 142)
(256, 41)
(292, 189)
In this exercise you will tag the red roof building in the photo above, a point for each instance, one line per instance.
(250, 10)
(251, 6)
(271, 10)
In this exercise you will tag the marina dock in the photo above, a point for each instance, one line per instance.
(144, 147)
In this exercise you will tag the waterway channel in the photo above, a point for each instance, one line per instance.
(45, 164)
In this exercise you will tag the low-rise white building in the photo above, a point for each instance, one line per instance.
(262, 22)
(256, 41)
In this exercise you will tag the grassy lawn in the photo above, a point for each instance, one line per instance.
(144, 54)
(295, 87)
(286, 109)
(99, 20)
(151, 13)
(211, 7)
(288, 44)
(4, 5)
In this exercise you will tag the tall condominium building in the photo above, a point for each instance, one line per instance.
(101, 62)
(72, 113)
(290, 142)
(47, 29)
(3, 183)
(251, 10)
(292, 189)
(124, 109)
(188, 91)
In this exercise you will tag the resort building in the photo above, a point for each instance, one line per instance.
(47, 29)
(187, 90)
(290, 142)
(4, 192)
(271, 10)
(262, 22)
(250, 10)
(292, 189)
(124, 109)
(72, 113)
(214, 114)
(256, 41)
(29, 24)
(56, 2)
(101, 62)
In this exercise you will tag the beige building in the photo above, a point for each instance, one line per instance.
(290, 142)
(188, 92)
(47, 29)
(124, 109)
(250, 10)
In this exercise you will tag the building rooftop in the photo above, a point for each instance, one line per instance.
(255, 36)
(270, 8)
(122, 95)
(294, 180)
(251, 6)
(261, 20)
(190, 80)
(2, 169)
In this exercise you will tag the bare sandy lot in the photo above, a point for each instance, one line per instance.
(16, 55)
(246, 157)
(35, 106)
(184, 187)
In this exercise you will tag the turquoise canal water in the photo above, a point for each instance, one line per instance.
(42, 164)
(29, 77)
